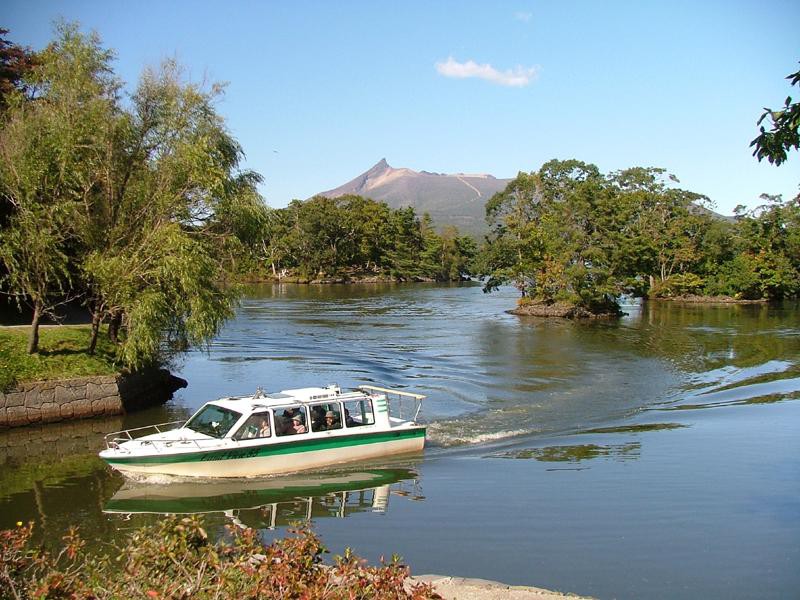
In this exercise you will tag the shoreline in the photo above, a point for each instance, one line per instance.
(54, 400)
(462, 588)
(694, 299)
(346, 280)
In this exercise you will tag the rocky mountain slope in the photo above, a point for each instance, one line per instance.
(458, 199)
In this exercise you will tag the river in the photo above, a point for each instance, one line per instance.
(657, 456)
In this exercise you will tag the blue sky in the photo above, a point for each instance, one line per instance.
(320, 91)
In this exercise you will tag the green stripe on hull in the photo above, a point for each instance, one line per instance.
(293, 447)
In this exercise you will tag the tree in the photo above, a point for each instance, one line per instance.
(552, 236)
(784, 133)
(168, 220)
(514, 251)
(139, 206)
(404, 244)
(49, 147)
(32, 248)
(663, 228)
(15, 65)
(768, 262)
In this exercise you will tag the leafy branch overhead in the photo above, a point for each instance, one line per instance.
(784, 133)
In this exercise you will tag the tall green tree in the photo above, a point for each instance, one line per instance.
(551, 233)
(664, 228)
(515, 251)
(49, 149)
(168, 220)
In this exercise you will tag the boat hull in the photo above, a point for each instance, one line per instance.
(273, 458)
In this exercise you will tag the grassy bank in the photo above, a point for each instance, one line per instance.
(62, 355)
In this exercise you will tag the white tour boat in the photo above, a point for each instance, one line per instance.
(266, 434)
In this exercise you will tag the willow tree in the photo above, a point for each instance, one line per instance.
(50, 144)
(135, 203)
(160, 233)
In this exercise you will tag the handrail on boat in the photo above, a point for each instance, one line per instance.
(391, 391)
(418, 398)
(125, 434)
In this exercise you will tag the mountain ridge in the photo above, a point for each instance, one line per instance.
(450, 199)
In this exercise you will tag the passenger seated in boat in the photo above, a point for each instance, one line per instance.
(349, 420)
(331, 421)
(257, 426)
(297, 424)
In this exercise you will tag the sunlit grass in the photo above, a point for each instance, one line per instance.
(62, 355)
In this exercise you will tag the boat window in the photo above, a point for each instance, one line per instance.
(256, 426)
(290, 420)
(213, 420)
(326, 416)
(358, 413)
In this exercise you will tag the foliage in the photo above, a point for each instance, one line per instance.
(662, 227)
(48, 148)
(15, 63)
(334, 237)
(60, 355)
(176, 559)
(784, 133)
(768, 263)
(138, 207)
(552, 236)
(680, 284)
(569, 234)
(160, 235)
(32, 249)
(515, 251)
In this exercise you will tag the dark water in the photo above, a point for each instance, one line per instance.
(654, 457)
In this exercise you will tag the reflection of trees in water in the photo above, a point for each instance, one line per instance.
(575, 453)
(700, 337)
(49, 454)
(51, 474)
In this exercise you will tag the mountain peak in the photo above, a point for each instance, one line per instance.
(379, 167)
(458, 199)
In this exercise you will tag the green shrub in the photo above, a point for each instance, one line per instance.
(737, 278)
(175, 559)
(680, 284)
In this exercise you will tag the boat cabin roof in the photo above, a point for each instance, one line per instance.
(309, 395)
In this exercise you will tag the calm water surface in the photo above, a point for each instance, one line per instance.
(654, 457)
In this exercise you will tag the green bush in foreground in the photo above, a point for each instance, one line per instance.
(175, 559)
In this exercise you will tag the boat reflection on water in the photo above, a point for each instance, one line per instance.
(268, 503)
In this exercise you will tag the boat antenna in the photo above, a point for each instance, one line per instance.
(259, 393)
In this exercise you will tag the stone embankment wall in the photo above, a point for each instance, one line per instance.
(50, 401)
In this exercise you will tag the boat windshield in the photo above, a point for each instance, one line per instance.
(213, 420)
